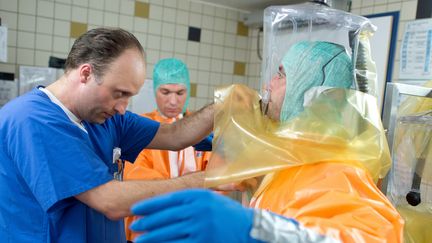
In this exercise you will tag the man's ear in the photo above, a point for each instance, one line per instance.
(85, 72)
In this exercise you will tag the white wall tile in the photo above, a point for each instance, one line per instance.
(126, 22)
(367, 3)
(9, 19)
(170, 3)
(181, 32)
(219, 24)
(152, 56)
(228, 54)
(220, 12)
(204, 63)
(233, 15)
(79, 14)
(216, 65)
(140, 24)
(205, 50)
(112, 6)
(25, 57)
(215, 78)
(45, 9)
(95, 17)
(26, 22)
(377, 2)
(155, 12)
(208, 10)
(97, 4)
(204, 78)
(227, 67)
(192, 62)
(202, 90)
(27, 6)
(62, 11)
(380, 9)
(168, 29)
(394, 7)
(218, 38)
(42, 58)
(26, 40)
(9, 5)
(61, 28)
(182, 17)
(183, 4)
(217, 52)
(127, 7)
(206, 36)
(207, 22)
(11, 55)
(409, 10)
(43, 42)
(60, 44)
(82, 3)
(169, 15)
(196, 7)
(167, 44)
(195, 20)
(9, 68)
(153, 42)
(180, 46)
(230, 40)
(111, 19)
(231, 27)
(12, 37)
(193, 48)
(155, 27)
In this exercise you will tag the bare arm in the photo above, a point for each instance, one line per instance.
(185, 132)
(115, 198)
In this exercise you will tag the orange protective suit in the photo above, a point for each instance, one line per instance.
(154, 164)
(320, 168)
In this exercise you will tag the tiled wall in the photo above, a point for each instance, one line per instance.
(407, 8)
(211, 40)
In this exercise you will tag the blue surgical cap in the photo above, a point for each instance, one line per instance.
(313, 63)
(171, 71)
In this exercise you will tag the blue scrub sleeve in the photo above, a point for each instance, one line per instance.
(55, 158)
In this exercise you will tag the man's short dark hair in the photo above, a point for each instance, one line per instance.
(100, 47)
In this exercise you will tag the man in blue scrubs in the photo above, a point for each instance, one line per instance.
(60, 146)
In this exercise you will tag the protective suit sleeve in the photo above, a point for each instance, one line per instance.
(270, 227)
(193, 216)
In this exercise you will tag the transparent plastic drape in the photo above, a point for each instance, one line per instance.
(338, 125)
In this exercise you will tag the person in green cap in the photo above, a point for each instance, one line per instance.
(319, 202)
(171, 84)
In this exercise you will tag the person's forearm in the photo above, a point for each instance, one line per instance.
(115, 198)
(185, 132)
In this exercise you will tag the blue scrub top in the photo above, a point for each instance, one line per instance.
(45, 160)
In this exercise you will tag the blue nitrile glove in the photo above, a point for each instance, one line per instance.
(205, 144)
(194, 215)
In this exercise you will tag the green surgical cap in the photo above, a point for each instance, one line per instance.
(171, 71)
(313, 63)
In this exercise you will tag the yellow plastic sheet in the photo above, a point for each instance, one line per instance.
(340, 126)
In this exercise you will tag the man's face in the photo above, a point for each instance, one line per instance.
(103, 97)
(277, 94)
(170, 99)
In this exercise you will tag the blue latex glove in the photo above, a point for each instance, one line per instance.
(205, 144)
(194, 215)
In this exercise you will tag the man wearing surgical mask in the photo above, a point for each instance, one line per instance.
(171, 84)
